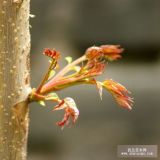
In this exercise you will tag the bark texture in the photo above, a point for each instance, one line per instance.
(14, 78)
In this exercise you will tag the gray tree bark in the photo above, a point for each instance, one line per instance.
(14, 78)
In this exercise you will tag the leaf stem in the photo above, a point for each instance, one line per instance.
(34, 96)
(67, 68)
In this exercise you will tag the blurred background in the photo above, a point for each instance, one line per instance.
(72, 26)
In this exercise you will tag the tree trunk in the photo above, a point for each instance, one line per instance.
(14, 78)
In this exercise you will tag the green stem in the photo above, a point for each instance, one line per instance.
(52, 66)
